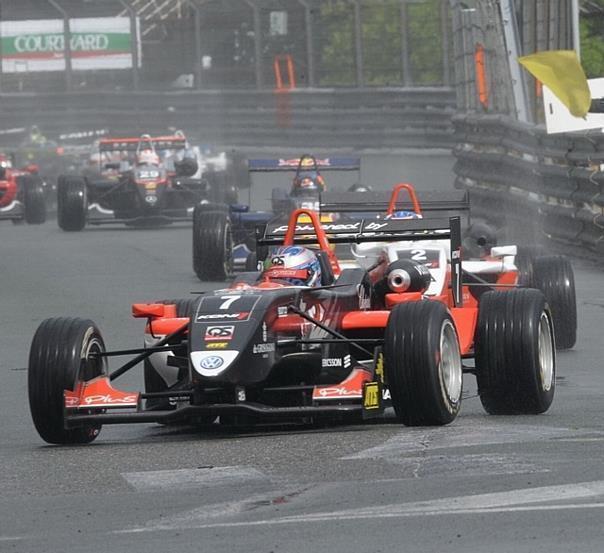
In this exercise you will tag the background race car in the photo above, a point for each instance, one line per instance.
(348, 345)
(139, 181)
(22, 193)
(224, 236)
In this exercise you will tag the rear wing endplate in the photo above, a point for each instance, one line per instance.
(292, 164)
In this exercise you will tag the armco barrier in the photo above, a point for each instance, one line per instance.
(532, 184)
(304, 118)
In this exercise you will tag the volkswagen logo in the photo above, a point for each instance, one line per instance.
(212, 362)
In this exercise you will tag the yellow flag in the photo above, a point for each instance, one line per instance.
(561, 72)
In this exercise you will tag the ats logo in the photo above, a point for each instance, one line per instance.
(216, 345)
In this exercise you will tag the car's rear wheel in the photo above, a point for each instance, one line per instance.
(72, 203)
(553, 275)
(422, 363)
(212, 243)
(515, 353)
(34, 199)
(62, 355)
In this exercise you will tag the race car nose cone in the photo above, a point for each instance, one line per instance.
(211, 363)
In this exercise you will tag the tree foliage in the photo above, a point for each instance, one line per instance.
(382, 43)
(592, 39)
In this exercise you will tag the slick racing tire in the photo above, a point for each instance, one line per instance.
(34, 199)
(72, 203)
(60, 357)
(525, 258)
(515, 353)
(553, 275)
(212, 243)
(422, 363)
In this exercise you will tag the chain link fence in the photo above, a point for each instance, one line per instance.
(224, 44)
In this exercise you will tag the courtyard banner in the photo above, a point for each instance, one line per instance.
(39, 45)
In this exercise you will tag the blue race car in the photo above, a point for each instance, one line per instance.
(224, 236)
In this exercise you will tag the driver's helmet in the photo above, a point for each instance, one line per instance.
(308, 182)
(403, 214)
(5, 161)
(293, 265)
(147, 157)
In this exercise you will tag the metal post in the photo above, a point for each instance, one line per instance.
(257, 42)
(310, 61)
(198, 62)
(406, 65)
(358, 42)
(67, 44)
(133, 43)
(575, 24)
(444, 25)
(1, 55)
(510, 31)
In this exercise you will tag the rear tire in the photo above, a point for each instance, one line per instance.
(553, 275)
(60, 358)
(72, 205)
(422, 363)
(515, 353)
(34, 199)
(212, 243)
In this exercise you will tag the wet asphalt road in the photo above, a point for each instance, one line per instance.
(496, 484)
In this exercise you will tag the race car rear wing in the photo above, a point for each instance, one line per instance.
(176, 142)
(292, 164)
(378, 201)
(366, 230)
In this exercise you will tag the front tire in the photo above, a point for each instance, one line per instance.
(515, 353)
(422, 363)
(60, 357)
(72, 203)
(212, 243)
(34, 199)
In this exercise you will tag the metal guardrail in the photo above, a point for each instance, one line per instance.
(304, 118)
(532, 184)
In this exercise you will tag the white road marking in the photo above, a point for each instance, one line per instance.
(471, 433)
(489, 463)
(185, 478)
(519, 500)
(195, 517)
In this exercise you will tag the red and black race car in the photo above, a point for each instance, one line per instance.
(138, 181)
(22, 193)
(361, 340)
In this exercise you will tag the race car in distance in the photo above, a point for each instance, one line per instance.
(137, 181)
(224, 236)
(307, 339)
(22, 193)
(485, 262)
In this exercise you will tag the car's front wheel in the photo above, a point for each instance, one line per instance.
(212, 243)
(422, 363)
(63, 354)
